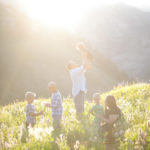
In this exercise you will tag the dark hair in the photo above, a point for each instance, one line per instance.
(110, 102)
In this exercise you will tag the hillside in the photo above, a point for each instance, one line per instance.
(31, 55)
(121, 32)
(134, 101)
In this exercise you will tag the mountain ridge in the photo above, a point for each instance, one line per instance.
(121, 33)
(31, 57)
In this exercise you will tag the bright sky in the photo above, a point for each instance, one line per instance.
(65, 13)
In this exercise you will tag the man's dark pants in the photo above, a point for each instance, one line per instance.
(79, 103)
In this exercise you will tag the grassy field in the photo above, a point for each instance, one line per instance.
(134, 101)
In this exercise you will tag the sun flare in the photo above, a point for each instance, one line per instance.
(65, 14)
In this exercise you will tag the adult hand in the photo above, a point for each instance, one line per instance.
(81, 47)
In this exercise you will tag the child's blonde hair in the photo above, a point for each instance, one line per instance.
(29, 95)
(52, 83)
(96, 96)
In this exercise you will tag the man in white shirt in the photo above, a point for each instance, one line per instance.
(77, 74)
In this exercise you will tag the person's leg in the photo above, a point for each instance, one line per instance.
(82, 97)
(56, 122)
(32, 125)
(27, 125)
(95, 129)
(112, 146)
(79, 103)
(76, 99)
(110, 141)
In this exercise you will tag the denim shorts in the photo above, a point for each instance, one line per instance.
(79, 102)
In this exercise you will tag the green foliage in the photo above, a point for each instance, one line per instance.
(134, 101)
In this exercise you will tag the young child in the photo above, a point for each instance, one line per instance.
(31, 114)
(56, 105)
(97, 111)
(81, 47)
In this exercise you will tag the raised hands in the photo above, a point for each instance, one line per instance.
(83, 49)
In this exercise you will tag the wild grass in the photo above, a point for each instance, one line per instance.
(134, 101)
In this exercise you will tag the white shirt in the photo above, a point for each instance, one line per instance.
(78, 80)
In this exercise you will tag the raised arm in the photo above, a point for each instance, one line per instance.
(86, 55)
